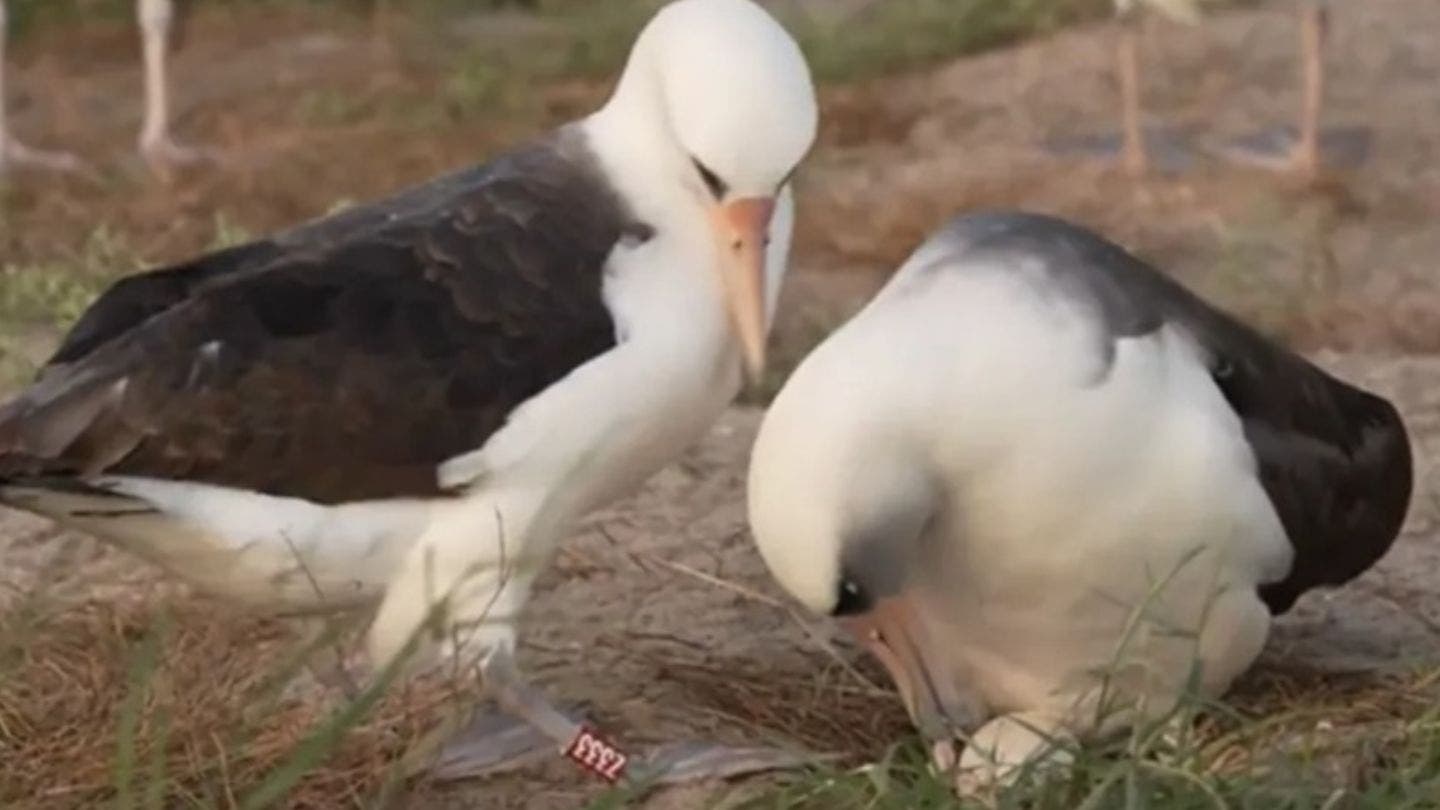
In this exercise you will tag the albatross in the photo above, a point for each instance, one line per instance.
(408, 403)
(1042, 482)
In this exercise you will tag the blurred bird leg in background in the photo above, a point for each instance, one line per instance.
(1127, 63)
(157, 147)
(1136, 147)
(1135, 153)
(1304, 150)
(14, 153)
(1314, 21)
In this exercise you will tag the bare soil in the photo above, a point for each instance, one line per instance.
(658, 615)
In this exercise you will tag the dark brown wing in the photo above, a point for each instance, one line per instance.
(1334, 460)
(134, 299)
(344, 360)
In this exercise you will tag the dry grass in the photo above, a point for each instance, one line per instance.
(826, 712)
(145, 696)
(179, 701)
(1298, 743)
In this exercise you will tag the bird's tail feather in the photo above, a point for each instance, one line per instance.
(47, 423)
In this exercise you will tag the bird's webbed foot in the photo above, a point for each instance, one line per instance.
(164, 155)
(15, 154)
(528, 726)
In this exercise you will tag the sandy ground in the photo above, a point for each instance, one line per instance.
(1348, 262)
(630, 619)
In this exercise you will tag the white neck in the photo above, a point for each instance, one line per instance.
(636, 148)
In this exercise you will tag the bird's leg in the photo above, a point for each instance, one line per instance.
(1313, 22)
(516, 695)
(156, 17)
(476, 607)
(492, 743)
(527, 725)
(1300, 151)
(1127, 55)
(13, 153)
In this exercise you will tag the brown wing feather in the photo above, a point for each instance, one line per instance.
(344, 360)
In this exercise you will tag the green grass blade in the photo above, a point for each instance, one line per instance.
(144, 664)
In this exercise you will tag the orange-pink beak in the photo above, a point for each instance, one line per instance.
(897, 635)
(742, 229)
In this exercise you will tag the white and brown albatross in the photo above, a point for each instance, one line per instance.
(1041, 481)
(415, 399)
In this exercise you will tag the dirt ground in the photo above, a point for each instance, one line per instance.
(631, 620)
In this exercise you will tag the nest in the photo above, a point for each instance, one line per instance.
(829, 712)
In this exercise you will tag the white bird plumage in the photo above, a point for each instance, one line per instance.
(1021, 475)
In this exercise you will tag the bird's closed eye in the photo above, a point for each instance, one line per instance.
(712, 181)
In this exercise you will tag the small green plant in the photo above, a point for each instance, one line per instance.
(40, 300)
(228, 232)
(477, 84)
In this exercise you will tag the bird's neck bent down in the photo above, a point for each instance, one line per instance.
(635, 145)
(665, 292)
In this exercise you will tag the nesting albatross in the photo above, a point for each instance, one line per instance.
(1040, 481)
(415, 399)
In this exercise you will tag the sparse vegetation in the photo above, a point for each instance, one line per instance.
(134, 696)
(39, 300)
(1362, 744)
(1234, 770)
(176, 701)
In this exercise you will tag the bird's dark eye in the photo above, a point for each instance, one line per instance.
(712, 180)
(851, 599)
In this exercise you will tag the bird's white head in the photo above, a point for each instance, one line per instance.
(720, 99)
(843, 504)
